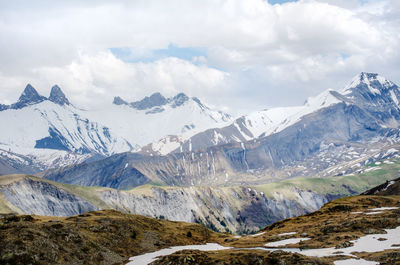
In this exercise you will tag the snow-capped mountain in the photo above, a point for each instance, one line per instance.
(148, 120)
(31, 161)
(36, 125)
(366, 89)
(335, 133)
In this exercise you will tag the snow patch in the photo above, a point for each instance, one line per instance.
(150, 257)
(286, 242)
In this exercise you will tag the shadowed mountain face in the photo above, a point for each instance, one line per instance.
(29, 97)
(148, 102)
(362, 117)
(156, 100)
(57, 96)
(390, 187)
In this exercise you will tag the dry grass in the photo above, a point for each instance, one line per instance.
(101, 237)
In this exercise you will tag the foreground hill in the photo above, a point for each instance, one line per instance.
(102, 237)
(331, 233)
(110, 237)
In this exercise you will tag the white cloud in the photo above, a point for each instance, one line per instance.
(94, 80)
(269, 54)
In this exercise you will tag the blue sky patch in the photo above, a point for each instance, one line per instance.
(128, 54)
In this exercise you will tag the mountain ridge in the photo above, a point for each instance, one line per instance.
(56, 124)
(30, 96)
(338, 138)
(263, 123)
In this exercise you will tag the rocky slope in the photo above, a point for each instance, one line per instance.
(236, 209)
(239, 210)
(241, 164)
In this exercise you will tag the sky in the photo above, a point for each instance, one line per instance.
(235, 55)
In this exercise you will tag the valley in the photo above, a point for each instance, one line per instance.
(235, 209)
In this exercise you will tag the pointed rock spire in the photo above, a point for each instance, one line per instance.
(119, 101)
(29, 97)
(154, 100)
(179, 100)
(57, 96)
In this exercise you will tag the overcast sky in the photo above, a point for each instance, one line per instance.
(239, 55)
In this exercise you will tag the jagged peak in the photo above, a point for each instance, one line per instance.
(156, 99)
(119, 101)
(57, 96)
(179, 100)
(29, 91)
(28, 97)
(373, 81)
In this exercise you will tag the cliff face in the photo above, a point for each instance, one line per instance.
(238, 210)
(231, 209)
(42, 198)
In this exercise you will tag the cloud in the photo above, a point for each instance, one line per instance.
(95, 80)
(253, 54)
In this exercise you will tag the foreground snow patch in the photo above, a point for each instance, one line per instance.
(368, 243)
(354, 262)
(150, 257)
(287, 234)
(286, 242)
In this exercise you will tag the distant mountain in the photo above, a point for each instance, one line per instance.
(333, 134)
(36, 123)
(58, 97)
(366, 90)
(151, 118)
(34, 160)
(40, 133)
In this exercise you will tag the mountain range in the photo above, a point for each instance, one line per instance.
(40, 129)
(335, 133)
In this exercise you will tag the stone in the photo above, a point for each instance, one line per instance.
(57, 96)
